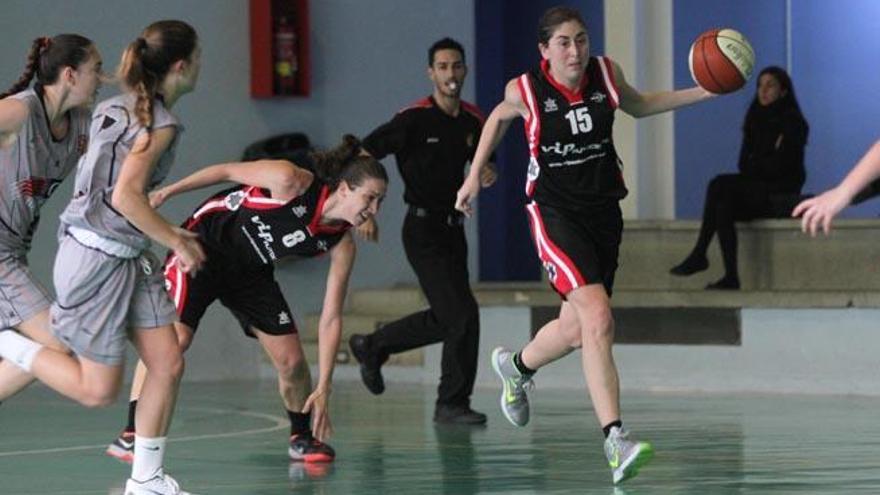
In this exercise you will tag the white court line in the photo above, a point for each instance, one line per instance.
(280, 423)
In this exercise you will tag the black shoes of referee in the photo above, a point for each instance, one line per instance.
(370, 363)
(457, 415)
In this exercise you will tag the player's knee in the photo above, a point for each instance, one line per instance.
(99, 397)
(169, 369)
(292, 366)
(599, 327)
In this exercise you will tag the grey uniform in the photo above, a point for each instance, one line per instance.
(31, 168)
(107, 280)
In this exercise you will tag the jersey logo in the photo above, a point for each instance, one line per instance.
(550, 105)
(108, 121)
(534, 169)
(597, 97)
(283, 318)
(551, 270)
(300, 211)
(233, 200)
(264, 232)
(469, 141)
(564, 149)
(322, 245)
(433, 140)
(36, 187)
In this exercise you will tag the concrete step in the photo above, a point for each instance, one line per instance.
(773, 255)
(539, 294)
(392, 301)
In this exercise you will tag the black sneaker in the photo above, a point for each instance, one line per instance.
(306, 448)
(371, 365)
(458, 415)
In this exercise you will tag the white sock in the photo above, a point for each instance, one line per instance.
(148, 456)
(18, 349)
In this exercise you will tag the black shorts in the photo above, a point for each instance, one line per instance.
(577, 248)
(253, 296)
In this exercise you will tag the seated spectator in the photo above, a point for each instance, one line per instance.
(771, 172)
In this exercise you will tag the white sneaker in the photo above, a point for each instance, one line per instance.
(158, 485)
(625, 455)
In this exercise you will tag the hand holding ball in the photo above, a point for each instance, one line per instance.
(721, 60)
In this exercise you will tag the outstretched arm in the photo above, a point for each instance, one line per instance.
(639, 104)
(329, 334)
(283, 178)
(819, 211)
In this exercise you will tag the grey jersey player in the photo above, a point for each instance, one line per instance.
(108, 285)
(43, 133)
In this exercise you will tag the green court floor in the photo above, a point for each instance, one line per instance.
(230, 439)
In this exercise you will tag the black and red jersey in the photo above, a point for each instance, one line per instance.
(248, 227)
(432, 149)
(573, 162)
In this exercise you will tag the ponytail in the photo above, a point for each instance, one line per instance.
(346, 163)
(141, 80)
(147, 60)
(48, 56)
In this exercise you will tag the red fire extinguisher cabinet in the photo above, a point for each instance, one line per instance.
(264, 17)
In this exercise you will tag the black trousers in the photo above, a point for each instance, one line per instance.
(437, 250)
(731, 198)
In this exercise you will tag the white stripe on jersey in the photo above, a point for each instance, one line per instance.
(217, 203)
(544, 246)
(534, 116)
(607, 71)
(534, 124)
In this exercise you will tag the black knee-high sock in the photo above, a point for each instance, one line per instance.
(132, 410)
(299, 422)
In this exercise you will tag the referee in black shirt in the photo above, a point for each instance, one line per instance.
(433, 140)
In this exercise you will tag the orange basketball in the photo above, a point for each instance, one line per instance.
(721, 60)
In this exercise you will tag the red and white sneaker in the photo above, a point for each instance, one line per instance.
(306, 448)
(123, 447)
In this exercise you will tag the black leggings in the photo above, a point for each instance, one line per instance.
(730, 198)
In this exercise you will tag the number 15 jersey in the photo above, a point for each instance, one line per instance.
(572, 160)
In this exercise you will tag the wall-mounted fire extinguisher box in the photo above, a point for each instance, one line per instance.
(279, 48)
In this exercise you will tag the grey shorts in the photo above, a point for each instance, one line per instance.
(101, 297)
(21, 295)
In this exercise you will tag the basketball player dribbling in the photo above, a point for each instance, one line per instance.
(573, 187)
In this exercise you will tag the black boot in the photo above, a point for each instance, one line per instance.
(370, 361)
(691, 265)
(460, 415)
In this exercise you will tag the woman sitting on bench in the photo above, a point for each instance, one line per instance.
(771, 171)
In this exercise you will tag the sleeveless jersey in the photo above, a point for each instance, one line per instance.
(573, 163)
(32, 167)
(112, 134)
(247, 227)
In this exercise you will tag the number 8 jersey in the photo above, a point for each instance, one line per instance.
(244, 225)
(572, 160)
